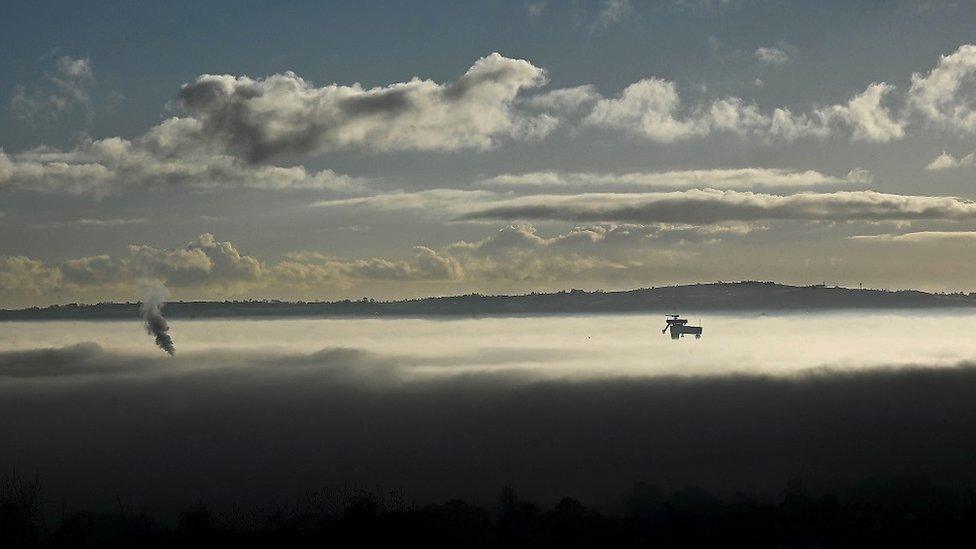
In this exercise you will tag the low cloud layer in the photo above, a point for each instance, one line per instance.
(208, 263)
(922, 237)
(194, 426)
(656, 238)
(513, 255)
(115, 164)
(731, 178)
(79, 359)
(693, 207)
(711, 206)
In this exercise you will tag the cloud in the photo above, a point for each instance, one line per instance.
(652, 108)
(112, 222)
(513, 254)
(611, 11)
(922, 237)
(208, 267)
(201, 261)
(712, 6)
(536, 7)
(219, 267)
(238, 117)
(868, 119)
(731, 178)
(284, 114)
(945, 95)
(79, 359)
(70, 75)
(92, 222)
(432, 202)
(23, 274)
(114, 164)
(771, 56)
(231, 126)
(632, 240)
(67, 87)
(692, 206)
(609, 252)
(649, 108)
(711, 206)
(337, 365)
(564, 100)
(946, 161)
(308, 270)
(519, 253)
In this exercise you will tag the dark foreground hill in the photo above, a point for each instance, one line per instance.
(722, 296)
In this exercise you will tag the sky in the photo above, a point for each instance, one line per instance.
(331, 150)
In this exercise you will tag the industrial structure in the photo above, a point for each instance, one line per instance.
(679, 327)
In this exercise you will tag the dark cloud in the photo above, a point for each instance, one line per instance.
(249, 427)
(285, 114)
(79, 359)
(231, 123)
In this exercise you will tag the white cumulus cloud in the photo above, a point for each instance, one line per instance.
(946, 161)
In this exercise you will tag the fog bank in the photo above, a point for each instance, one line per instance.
(571, 346)
(249, 426)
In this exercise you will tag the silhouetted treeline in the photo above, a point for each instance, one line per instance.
(906, 511)
(722, 296)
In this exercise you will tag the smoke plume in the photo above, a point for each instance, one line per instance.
(151, 311)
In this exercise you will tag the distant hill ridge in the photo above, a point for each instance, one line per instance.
(720, 296)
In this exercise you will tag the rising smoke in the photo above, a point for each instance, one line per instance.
(151, 311)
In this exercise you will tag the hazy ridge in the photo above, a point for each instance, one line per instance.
(730, 296)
